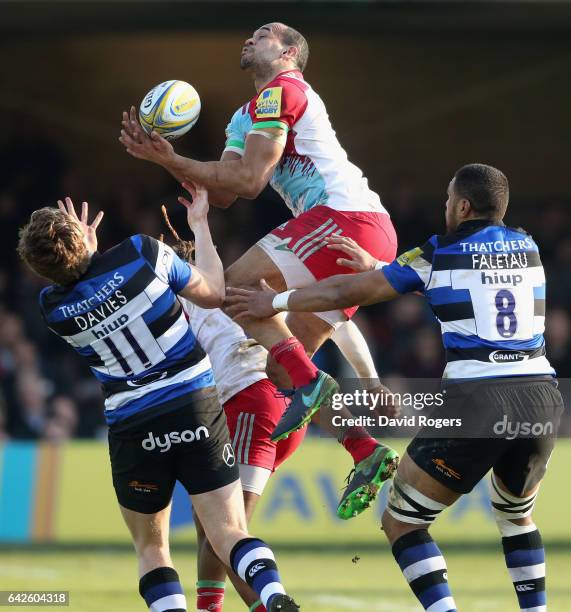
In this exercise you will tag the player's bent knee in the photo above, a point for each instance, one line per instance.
(508, 508)
(409, 506)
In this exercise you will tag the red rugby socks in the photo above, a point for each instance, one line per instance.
(209, 595)
(291, 355)
(359, 443)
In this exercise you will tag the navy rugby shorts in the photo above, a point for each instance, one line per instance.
(509, 425)
(190, 444)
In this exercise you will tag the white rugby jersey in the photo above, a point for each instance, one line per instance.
(314, 169)
(237, 361)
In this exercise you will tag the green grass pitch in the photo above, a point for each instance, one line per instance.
(315, 555)
(321, 582)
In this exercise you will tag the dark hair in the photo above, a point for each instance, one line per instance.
(183, 248)
(292, 38)
(485, 187)
(52, 245)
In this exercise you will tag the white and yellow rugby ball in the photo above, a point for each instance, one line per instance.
(170, 109)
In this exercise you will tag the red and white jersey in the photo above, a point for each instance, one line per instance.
(314, 169)
(237, 361)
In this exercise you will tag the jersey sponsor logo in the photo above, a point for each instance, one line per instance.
(105, 330)
(100, 295)
(269, 103)
(257, 568)
(498, 245)
(508, 356)
(502, 279)
(407, 258)
(510, 430)
(174, 437)
(228, 455)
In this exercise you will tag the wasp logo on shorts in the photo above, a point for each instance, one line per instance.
(174, 437)
(228, 455)
(445, 469)
(143, 487)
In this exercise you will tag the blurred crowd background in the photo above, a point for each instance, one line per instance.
(412, 99)
(47, 391)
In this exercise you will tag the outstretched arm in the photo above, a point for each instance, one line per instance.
(222, 198)
(245, 176)
(337, 292)
(206, 285)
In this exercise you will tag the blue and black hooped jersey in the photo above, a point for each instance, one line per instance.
(486, 285)
(124, 318)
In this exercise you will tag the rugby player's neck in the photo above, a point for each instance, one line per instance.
(491, 220)
(265, 76)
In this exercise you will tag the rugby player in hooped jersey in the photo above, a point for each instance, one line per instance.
(486, 285)
(253, 407)
(120, 311)
(283, 136)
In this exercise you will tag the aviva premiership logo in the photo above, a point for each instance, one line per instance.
(407, 258)
(269, 103)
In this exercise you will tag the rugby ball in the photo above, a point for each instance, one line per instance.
(170, 109)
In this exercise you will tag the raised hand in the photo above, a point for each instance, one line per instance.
(139, 144)
(197, 210)
(359, 260)
(89, 230)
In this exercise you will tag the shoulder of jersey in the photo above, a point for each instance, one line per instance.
(271, 102)
(51, 295)
(287, 80)
(47, 295)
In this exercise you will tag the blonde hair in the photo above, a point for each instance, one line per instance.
(52, 245)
